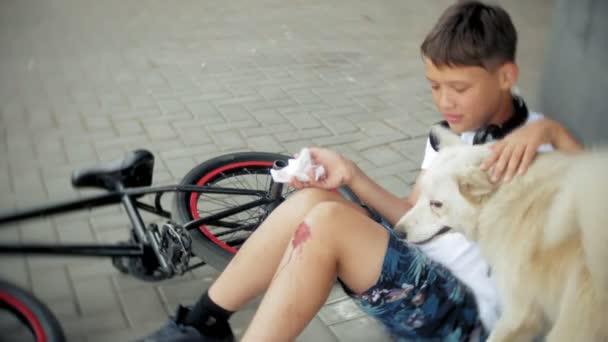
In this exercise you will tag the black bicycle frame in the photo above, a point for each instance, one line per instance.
(128, 198)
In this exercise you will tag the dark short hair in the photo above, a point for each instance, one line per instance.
(471, 33)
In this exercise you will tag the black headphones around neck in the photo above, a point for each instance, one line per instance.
(494, 132)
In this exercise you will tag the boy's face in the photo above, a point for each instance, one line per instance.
(468, 97)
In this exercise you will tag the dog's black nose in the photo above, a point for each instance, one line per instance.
(401, 234)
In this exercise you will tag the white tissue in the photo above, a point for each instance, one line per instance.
(299, 168)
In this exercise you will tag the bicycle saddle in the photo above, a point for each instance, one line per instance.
(134, 170)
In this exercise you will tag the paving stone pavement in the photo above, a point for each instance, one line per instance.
(84, 81)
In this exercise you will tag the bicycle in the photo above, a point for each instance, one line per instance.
(212, 228)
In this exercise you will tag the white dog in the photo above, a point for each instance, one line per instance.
(545, 234)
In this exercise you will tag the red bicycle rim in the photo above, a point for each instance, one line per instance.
(29, 316)
(194, 198)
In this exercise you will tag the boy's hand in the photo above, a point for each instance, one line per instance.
(516, 151)
(338, 170)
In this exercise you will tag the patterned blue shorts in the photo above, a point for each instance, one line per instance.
(418, 299)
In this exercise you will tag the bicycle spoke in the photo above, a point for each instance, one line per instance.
(206, 210)
(243, 228)
(219, 201)
(242, 181)
(240, 223)
(236, 243)
(235, 229)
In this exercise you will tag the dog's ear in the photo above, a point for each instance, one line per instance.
(475, 185)
(441, 136)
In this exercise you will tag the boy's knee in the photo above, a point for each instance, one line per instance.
(326, 214)
(322, 223)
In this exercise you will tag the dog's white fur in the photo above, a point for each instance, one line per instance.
(545, 234)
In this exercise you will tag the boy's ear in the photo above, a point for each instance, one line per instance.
(441, 137)
(475, 185)
(509, 74)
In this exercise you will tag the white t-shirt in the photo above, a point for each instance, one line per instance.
(463, 257)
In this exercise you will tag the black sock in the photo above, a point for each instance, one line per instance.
(208, 317)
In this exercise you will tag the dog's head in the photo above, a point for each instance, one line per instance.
(452, 191)
(441, 136)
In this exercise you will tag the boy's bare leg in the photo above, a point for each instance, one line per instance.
(250, 271)
(332, 240)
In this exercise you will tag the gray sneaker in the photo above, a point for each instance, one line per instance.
(175, 331)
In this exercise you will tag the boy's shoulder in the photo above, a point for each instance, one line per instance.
(534, 116)
(469, 137)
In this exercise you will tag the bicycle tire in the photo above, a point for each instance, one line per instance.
(31, 312)
(205, 242)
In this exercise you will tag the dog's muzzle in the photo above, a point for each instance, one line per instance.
(445, 229)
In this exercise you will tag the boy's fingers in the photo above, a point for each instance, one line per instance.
(323, 177)
(311, 177)
(501, 164)
(493, 157)
(296, 183)
(514, 162)
(527, 160)
(314, 152)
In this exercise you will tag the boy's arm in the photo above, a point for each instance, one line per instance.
(385, 203)
(561, 139)
(516, 151)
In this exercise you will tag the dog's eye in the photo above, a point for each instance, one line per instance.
(436, 204)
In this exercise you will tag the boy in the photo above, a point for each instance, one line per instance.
(317, 236)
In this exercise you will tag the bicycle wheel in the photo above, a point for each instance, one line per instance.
(24, 318)
(244, 170)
